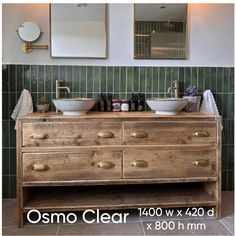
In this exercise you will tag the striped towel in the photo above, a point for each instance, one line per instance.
(23, 106)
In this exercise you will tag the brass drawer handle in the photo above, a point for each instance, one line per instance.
(139, 163)
(40, 167)
(39, 136)
(200, 134)
(139, 134)
(201, 162)
(105, 134)
(105, 164)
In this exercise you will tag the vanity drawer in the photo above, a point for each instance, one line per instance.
(169, 164)
(71, 134)
(169, 133)
(72, 166)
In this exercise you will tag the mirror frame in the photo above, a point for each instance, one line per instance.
(186, 36)
(77, 57)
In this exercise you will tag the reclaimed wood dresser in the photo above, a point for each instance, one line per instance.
(116, 160)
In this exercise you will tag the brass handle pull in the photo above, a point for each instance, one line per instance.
(201, 162)
(39, 136)
(40, 167)
(105, 134)
(105, 164)
(139, 163)
(200, 134)
(139, 134)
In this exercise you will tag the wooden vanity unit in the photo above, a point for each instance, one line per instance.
(118, 160)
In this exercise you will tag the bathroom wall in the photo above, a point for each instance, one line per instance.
(89, 81)
(211, 36)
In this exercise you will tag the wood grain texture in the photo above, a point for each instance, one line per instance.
(70, 133)
(169, 164)
(72, 166)
(175, 133)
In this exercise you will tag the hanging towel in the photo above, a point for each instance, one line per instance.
(208, 103)
(23, 106)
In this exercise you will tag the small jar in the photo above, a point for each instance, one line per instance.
(124, 105)
(115, 104)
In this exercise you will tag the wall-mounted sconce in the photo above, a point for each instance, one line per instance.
(29, 32)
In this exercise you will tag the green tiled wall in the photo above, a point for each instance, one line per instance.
(121, 82)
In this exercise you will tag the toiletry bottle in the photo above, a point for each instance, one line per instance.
(101, 103)
(140, 103)
(132, 105)
(109, 102)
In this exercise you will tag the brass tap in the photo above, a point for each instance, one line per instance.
(175, 88)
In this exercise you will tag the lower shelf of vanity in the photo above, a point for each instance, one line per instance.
(78, 198)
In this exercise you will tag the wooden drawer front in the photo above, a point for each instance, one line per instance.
(71, 134)
(169, 133)
(172, 164)
(72, 166)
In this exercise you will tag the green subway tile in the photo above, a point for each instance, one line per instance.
(219, 102)
(226, 79)
(207, 78)
(110, 79)
(169, 81)
(48, 79)
(230, 132)
(41, 79)
(194, 75)
(76, 82)
(219, 79)
(116, 79)
(224, 180)
(89, 95)
(187, 77)
(155, 79)
(34, 79)
(5, 133)
(136, 80)
(55, 76)
(230, 106)
(230, 180)
(5, 161)
(5, 186)
(83, 80)
(129, 79)
(27, 77)
(225, 110)
(13, 99)
(12, 134)
(97, 78)
(122, 80)
(162, 76)
(122, 95)
(89, 79)
(231, 81)
(20, 78)
(224, 132)
(149, 79)
(12, 81)
(5, 106)
(230, 165)
(5, 81)
(201, 80)
(69, 75)
(213, 80)
(34, 98)
(224, 157)
(12, 161)
(62, 73)
(181, 74)
(142, 79)
(175, 73)
(12, 186)
(103, 80)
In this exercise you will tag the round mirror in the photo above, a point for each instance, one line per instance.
(29, 31)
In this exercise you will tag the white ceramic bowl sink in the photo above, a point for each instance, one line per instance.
(74, 106)
(166, 106)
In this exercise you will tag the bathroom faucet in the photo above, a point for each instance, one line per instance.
(175, 88)
(58, 88)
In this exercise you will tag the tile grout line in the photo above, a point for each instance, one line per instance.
(225, 226)
(142, 226)
(58, 229)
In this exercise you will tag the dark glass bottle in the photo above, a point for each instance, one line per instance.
(101, 103)
(140, 105)
(132, 103)
(109, 102)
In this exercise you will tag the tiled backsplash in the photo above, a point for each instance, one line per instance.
(121, 82)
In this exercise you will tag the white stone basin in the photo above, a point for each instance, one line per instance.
(74, 106)
(166, 106)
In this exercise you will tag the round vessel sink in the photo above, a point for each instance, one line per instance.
(74, 106)
(166, 106)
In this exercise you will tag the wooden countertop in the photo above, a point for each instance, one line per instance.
(53, 116)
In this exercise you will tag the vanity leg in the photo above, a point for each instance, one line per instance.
(21, 219)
